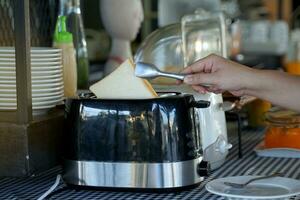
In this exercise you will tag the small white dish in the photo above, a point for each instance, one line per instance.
(10, 77)
(33, 50)
(32, 60)
(34, 91)
(265, 189)
(9, 82)
(34, 99)
(33, 68)
(32, 55)
(43, 81)
(260, 150)
(55, 63)
(33, 107)
(33, 73)
(34, 95)
(50, 80)
(34, 86)
(34, 103)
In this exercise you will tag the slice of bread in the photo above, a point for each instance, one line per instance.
(123, 84)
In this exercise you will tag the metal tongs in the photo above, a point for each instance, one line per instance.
(150, 71)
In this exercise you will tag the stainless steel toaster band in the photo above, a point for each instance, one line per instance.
(131, 174)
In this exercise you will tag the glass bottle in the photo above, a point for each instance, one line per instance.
(71, 9)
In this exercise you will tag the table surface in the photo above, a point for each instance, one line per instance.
(251, 164)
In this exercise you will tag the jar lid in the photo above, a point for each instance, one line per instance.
(283, 117)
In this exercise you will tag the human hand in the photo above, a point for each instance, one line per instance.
(219, 74)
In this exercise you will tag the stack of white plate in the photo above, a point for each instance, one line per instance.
(46, 79)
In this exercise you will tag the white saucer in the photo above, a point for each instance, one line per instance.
(272, 188)
(33, 73)
(41, 85)
(50, 80)
(34, 91)
(43, 81)
(34, 103)
(32, 55)
(6, 64)
(45, 108)
(46, 98)
(10, 77)
(33, 60)
(33, 68)
(33, 50)
(260, 150)
(34, 95)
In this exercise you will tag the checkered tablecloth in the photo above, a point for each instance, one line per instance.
(250, 164)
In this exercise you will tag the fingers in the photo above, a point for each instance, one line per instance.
(203, 90)
(203, 65)
(200, 78)
(199, 66)
(200, 89)
(216, 91)
(237, 93)
(178, 82)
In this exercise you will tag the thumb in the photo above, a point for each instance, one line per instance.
(200, 78)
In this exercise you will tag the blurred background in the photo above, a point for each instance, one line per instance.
(260, 30)
(259, 33)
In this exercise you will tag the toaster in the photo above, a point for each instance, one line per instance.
(133, 144)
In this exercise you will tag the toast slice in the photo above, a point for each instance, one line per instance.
(123, 84)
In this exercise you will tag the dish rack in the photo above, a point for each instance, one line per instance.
(27, 144)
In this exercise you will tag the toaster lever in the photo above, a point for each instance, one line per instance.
(200, 104)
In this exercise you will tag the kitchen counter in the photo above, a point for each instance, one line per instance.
(33, 187)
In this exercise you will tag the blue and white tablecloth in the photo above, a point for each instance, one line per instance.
(250, 164)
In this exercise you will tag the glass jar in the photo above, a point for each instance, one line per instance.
(203, 33)
(283, 129)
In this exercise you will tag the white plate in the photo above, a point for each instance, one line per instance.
(34, 73)
(272, 188)
(43, 81)
(34, 91)
(34, 95)
(52, 76)
(260, 150)
(11, 82)
(33, 68)
(34, 107)
(34, 99)
(55, 63)
(36, 103)
(52, 55)
(42, 85)
(33, 50)
(33, 60)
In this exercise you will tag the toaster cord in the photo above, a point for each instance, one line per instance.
(52, 188)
